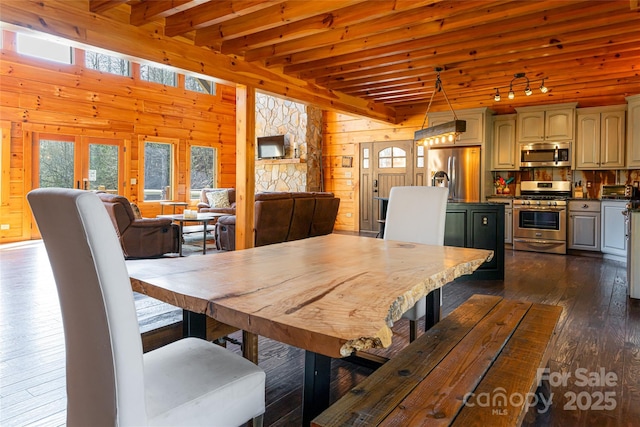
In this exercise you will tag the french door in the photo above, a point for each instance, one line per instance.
(70, 161)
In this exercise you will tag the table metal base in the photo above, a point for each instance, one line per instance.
(317, 367)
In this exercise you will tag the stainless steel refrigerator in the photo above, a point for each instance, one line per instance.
(461, 167)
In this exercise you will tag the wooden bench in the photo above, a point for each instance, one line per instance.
(485, 349)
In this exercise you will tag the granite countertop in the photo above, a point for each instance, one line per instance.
(501, 196)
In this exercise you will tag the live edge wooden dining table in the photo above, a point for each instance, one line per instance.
(331, 295)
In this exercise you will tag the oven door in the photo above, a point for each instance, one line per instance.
(540, 229)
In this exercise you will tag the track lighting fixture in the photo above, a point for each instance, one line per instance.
(527, 89)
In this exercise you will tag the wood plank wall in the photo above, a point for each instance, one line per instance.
(40, 96)
(342, 137)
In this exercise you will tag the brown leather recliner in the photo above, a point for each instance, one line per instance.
(140, 238)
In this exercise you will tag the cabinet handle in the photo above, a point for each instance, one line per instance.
(585, 206)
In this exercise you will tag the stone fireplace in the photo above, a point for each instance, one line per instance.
(300, 168)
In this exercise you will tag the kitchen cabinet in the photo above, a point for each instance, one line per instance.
(477, 119)
(633, 132)
(546, 123)
(584, 225)
(480, 226)
(505, 148)
(600, 138)
(508, 216)
(614, 242)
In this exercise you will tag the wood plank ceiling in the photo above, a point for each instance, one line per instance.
(385, 52)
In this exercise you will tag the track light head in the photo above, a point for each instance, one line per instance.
(543, 88)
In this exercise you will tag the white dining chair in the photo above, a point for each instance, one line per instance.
(109, 381)
(417, 215)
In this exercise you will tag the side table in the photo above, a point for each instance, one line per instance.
(171, 203)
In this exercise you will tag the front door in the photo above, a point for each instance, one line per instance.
(382, 165)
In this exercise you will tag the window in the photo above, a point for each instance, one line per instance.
(203, 169)
(56, 163)
(5, 165)
(106, 63)
(420, 156)
(103, 167)
(158, 171)
(199, 85)
(392, 157)
(365, 158)
(158, 75)
(44, 49)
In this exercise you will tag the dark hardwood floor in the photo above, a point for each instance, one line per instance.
(599, 332)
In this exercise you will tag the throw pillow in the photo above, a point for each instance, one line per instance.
(218, 199)
(136, 211)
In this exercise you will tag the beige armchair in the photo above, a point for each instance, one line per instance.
(140, 238)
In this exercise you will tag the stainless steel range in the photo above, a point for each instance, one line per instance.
(540, 216)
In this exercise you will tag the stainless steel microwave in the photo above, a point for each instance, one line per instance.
(553, 154)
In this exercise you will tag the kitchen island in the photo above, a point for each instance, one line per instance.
(480, 226)
(472, 225)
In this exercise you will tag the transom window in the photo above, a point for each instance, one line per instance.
(392, 157)
(106, 63)
(196, 84)
(158, 75)
(44, 49)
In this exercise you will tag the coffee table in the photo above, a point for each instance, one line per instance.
(202, 218)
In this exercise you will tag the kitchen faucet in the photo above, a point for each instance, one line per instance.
(439, 174)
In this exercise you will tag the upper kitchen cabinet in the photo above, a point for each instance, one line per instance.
(478, 124)
(505, 153)
(600, 137)
(633, 132)
(546, 123)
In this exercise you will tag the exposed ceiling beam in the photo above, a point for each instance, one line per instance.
(271, 17)
(148, 11)
(443, 50)
(66, 20)
(212, 13)
(99, 6)
(348, 23)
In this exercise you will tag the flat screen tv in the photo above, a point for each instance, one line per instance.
(271, 147)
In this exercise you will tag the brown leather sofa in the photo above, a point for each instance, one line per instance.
(203, 204)
(140, 238)
(283, 216)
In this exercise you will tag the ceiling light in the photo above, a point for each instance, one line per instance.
(444, 131)
(527, 89)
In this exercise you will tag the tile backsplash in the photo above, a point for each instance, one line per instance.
(597, 178)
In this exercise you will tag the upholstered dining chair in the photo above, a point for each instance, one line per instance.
(109, 381)
(417, 215)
